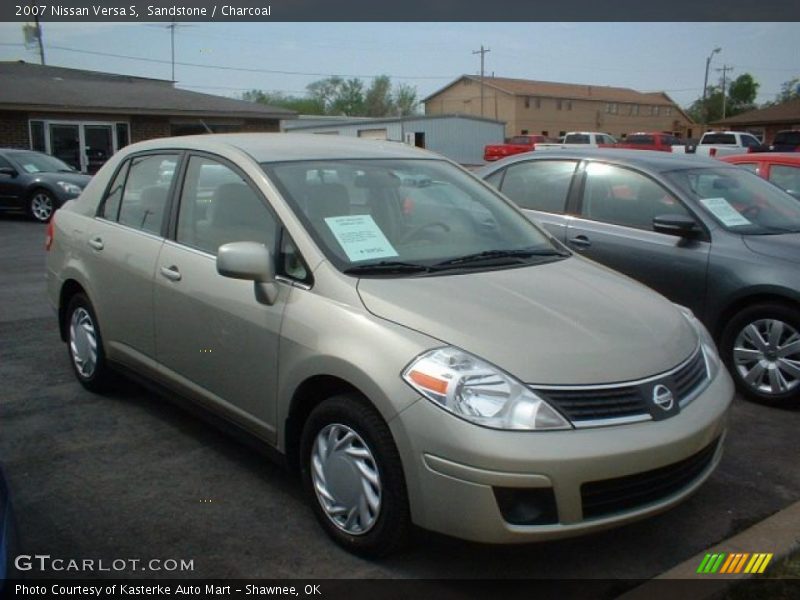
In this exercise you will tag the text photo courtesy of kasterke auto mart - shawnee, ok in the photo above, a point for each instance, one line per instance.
(393, 301)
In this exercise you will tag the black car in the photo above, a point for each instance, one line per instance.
(37, 183)
(706, 234)
(786, 141)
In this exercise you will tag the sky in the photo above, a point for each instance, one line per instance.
(647, 57)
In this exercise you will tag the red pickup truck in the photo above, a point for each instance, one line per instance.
(514, 145)
(649, 141)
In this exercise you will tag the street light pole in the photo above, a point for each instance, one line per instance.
(705, 85)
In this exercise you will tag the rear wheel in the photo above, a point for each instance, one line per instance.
(761, 345)
(353, 476)
(41, 205)
(85, 345)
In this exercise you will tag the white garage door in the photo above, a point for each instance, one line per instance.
(372, 134)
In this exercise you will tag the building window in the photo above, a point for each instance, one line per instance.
(655, 111)
(544, 133)
(668, 111)
(569, 104)
(527, 102)
(538, 103)
(612, 108)
(558, 104)
(634, 110)
(523, 132)
(123, 136)
(37, 136)
(562, 133)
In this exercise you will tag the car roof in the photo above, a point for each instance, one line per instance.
(778, 157)
(280, 147)
(649, 159)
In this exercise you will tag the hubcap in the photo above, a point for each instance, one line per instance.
(83, 342)
(346, 479)
(42, 206)
(766, 355)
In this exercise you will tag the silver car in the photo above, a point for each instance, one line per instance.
(397, 330)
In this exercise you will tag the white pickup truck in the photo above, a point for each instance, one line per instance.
(582, 139)
(723, 143)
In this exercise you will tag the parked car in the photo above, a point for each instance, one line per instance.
(659, 141)
(723, 143)
(37, 183)
(787, 140)
(514, 145)
(782, 169)
(462, 370)
(583, 139)
(708, 235)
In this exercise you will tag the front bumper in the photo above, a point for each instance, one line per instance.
(453, 468)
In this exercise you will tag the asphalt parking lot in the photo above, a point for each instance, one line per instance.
(130, 475)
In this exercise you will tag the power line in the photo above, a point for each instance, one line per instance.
(229, 68)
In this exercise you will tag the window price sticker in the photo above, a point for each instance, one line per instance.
(360, 237)
(722, 209)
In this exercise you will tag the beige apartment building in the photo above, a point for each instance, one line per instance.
(552, 109)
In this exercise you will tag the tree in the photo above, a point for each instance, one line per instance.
(326, 91)
(741, 94)
(405, 99)
(741, 97)
(299, 104)
(349, 99)
(378, 99)
(790, 90)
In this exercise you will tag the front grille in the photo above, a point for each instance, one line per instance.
(610, 496)
(631, 401)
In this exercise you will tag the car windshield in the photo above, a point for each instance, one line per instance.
(740, 200)
(33, 162)
(395, 217)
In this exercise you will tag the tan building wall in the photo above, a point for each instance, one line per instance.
(535, 115)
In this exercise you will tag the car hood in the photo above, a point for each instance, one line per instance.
(566, 322)
(78, 179)
(785, 245)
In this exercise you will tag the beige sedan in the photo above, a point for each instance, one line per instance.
(395, 329)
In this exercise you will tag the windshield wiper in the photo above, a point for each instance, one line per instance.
(488, 255)
(388, 267)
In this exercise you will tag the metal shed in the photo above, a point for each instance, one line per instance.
(460, 138)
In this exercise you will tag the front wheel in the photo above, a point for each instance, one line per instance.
(41, 206)
(354, 478)
(761, 345)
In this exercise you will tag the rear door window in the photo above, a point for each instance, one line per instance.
(539, 184)
(147, 187)
(110, 208)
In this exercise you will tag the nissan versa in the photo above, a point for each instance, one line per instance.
(396, 329)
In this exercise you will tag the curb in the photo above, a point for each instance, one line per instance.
(779, 534)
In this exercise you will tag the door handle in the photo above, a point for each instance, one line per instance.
(96, 243)
(580, 241)
(171, 273)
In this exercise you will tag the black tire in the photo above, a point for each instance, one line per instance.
(41, 205)
(760, 314)
(392, 527)
(100, 377)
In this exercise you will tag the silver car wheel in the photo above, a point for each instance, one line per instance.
(766, 354)
(42, 206)
(346, 479)
(83, 342)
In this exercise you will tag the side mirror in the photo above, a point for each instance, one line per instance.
(250, 261)
(681, 225)
(10, 171)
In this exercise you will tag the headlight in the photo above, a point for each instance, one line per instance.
(479, 392)
(706, 341)
(70, 188)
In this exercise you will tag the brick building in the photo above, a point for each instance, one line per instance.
(764, 123)
(552, 109)
(83, 117)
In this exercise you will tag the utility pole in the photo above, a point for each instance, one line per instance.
(38, 34)
(482, 52)
(724, 69)
(705, 85)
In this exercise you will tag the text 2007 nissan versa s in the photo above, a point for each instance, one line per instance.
(402, 334)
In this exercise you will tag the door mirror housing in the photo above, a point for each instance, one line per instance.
(250, 261)
(10, 171)
(681, 225)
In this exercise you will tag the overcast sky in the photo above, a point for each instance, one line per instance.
(642, 56)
